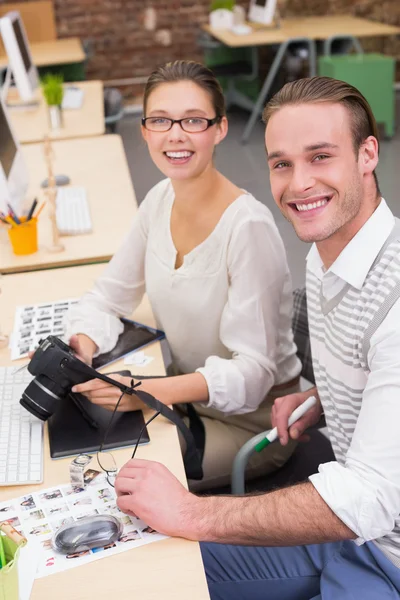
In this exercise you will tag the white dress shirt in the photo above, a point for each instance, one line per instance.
(226, 311)
(365, 492)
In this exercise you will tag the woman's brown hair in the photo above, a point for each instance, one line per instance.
(187, 70)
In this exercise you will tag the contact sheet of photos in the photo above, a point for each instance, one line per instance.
(35, 322)
(39, 515)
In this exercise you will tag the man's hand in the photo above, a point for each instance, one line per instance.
(149, 491)
(283, 408)
(106, 395)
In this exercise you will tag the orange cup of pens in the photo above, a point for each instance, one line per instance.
(23, 237)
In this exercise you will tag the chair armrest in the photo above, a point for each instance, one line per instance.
(240, 463)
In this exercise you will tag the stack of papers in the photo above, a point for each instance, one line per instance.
(35, 322)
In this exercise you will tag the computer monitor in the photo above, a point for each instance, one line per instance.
(13, 171)
(262, 11)
(19, 55)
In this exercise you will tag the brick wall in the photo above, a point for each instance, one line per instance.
(122, 47)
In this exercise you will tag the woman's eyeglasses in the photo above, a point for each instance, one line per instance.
(106, 460)
(189, 124)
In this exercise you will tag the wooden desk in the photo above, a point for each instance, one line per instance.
(99, 165)
(315, 28)
(306, 30)
(32, 124)
(171, 569)
(53, 52)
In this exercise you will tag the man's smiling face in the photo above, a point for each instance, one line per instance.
(316, 177)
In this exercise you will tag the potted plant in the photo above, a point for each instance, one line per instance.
(53, 91)
(221, 14)
(227, 4)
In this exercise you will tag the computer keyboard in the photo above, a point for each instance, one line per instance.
(21, 434)
(72, 211)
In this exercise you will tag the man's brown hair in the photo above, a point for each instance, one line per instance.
(326, 89)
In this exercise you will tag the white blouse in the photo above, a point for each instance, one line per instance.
(226, 311)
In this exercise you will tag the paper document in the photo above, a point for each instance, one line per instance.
(35, 322)
(40, 514)
(27, 566)
(138, 359)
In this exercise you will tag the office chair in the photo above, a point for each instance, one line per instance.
(232, 66)
(113, 108)
(373, 74)
(335, 45)
(307, 457)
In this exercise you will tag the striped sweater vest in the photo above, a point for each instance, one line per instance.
(340, 333)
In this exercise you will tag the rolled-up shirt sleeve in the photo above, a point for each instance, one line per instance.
(364, 492)
(116, 293)
(258, 274)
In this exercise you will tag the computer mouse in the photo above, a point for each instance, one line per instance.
(60, 180)
(90, 532)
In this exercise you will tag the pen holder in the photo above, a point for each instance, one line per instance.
(9, 572)
(23, 237)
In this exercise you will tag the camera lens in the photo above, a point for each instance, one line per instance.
(41, 397)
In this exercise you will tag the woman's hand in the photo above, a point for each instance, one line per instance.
(106, 395)
(84, 347)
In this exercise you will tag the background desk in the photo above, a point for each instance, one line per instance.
(315, 28)
(49, 53)
(99, 165)
(307, 29)
(169, 570)
(53, 52)
(32, 124)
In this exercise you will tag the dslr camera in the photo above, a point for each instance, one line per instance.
(57, 370)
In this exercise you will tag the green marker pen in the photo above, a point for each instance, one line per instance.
(2, 555)
(295, 416)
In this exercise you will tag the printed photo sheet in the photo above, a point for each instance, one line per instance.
(35, 322)
(39, 515)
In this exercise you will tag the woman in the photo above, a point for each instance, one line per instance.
(214, 267)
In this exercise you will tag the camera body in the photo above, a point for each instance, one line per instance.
(57, 370)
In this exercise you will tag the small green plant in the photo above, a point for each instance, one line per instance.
(227, 4)
(53, 90)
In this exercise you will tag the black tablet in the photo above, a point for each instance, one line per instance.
(134, 336)
(72, 433)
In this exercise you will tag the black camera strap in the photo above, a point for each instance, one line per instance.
(191, 459)
(194, 435)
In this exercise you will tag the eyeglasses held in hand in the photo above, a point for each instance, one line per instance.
(189, 124)
(106, 460)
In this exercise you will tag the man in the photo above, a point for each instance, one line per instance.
(336, 536)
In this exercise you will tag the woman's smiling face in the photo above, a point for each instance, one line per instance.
(177, 153)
